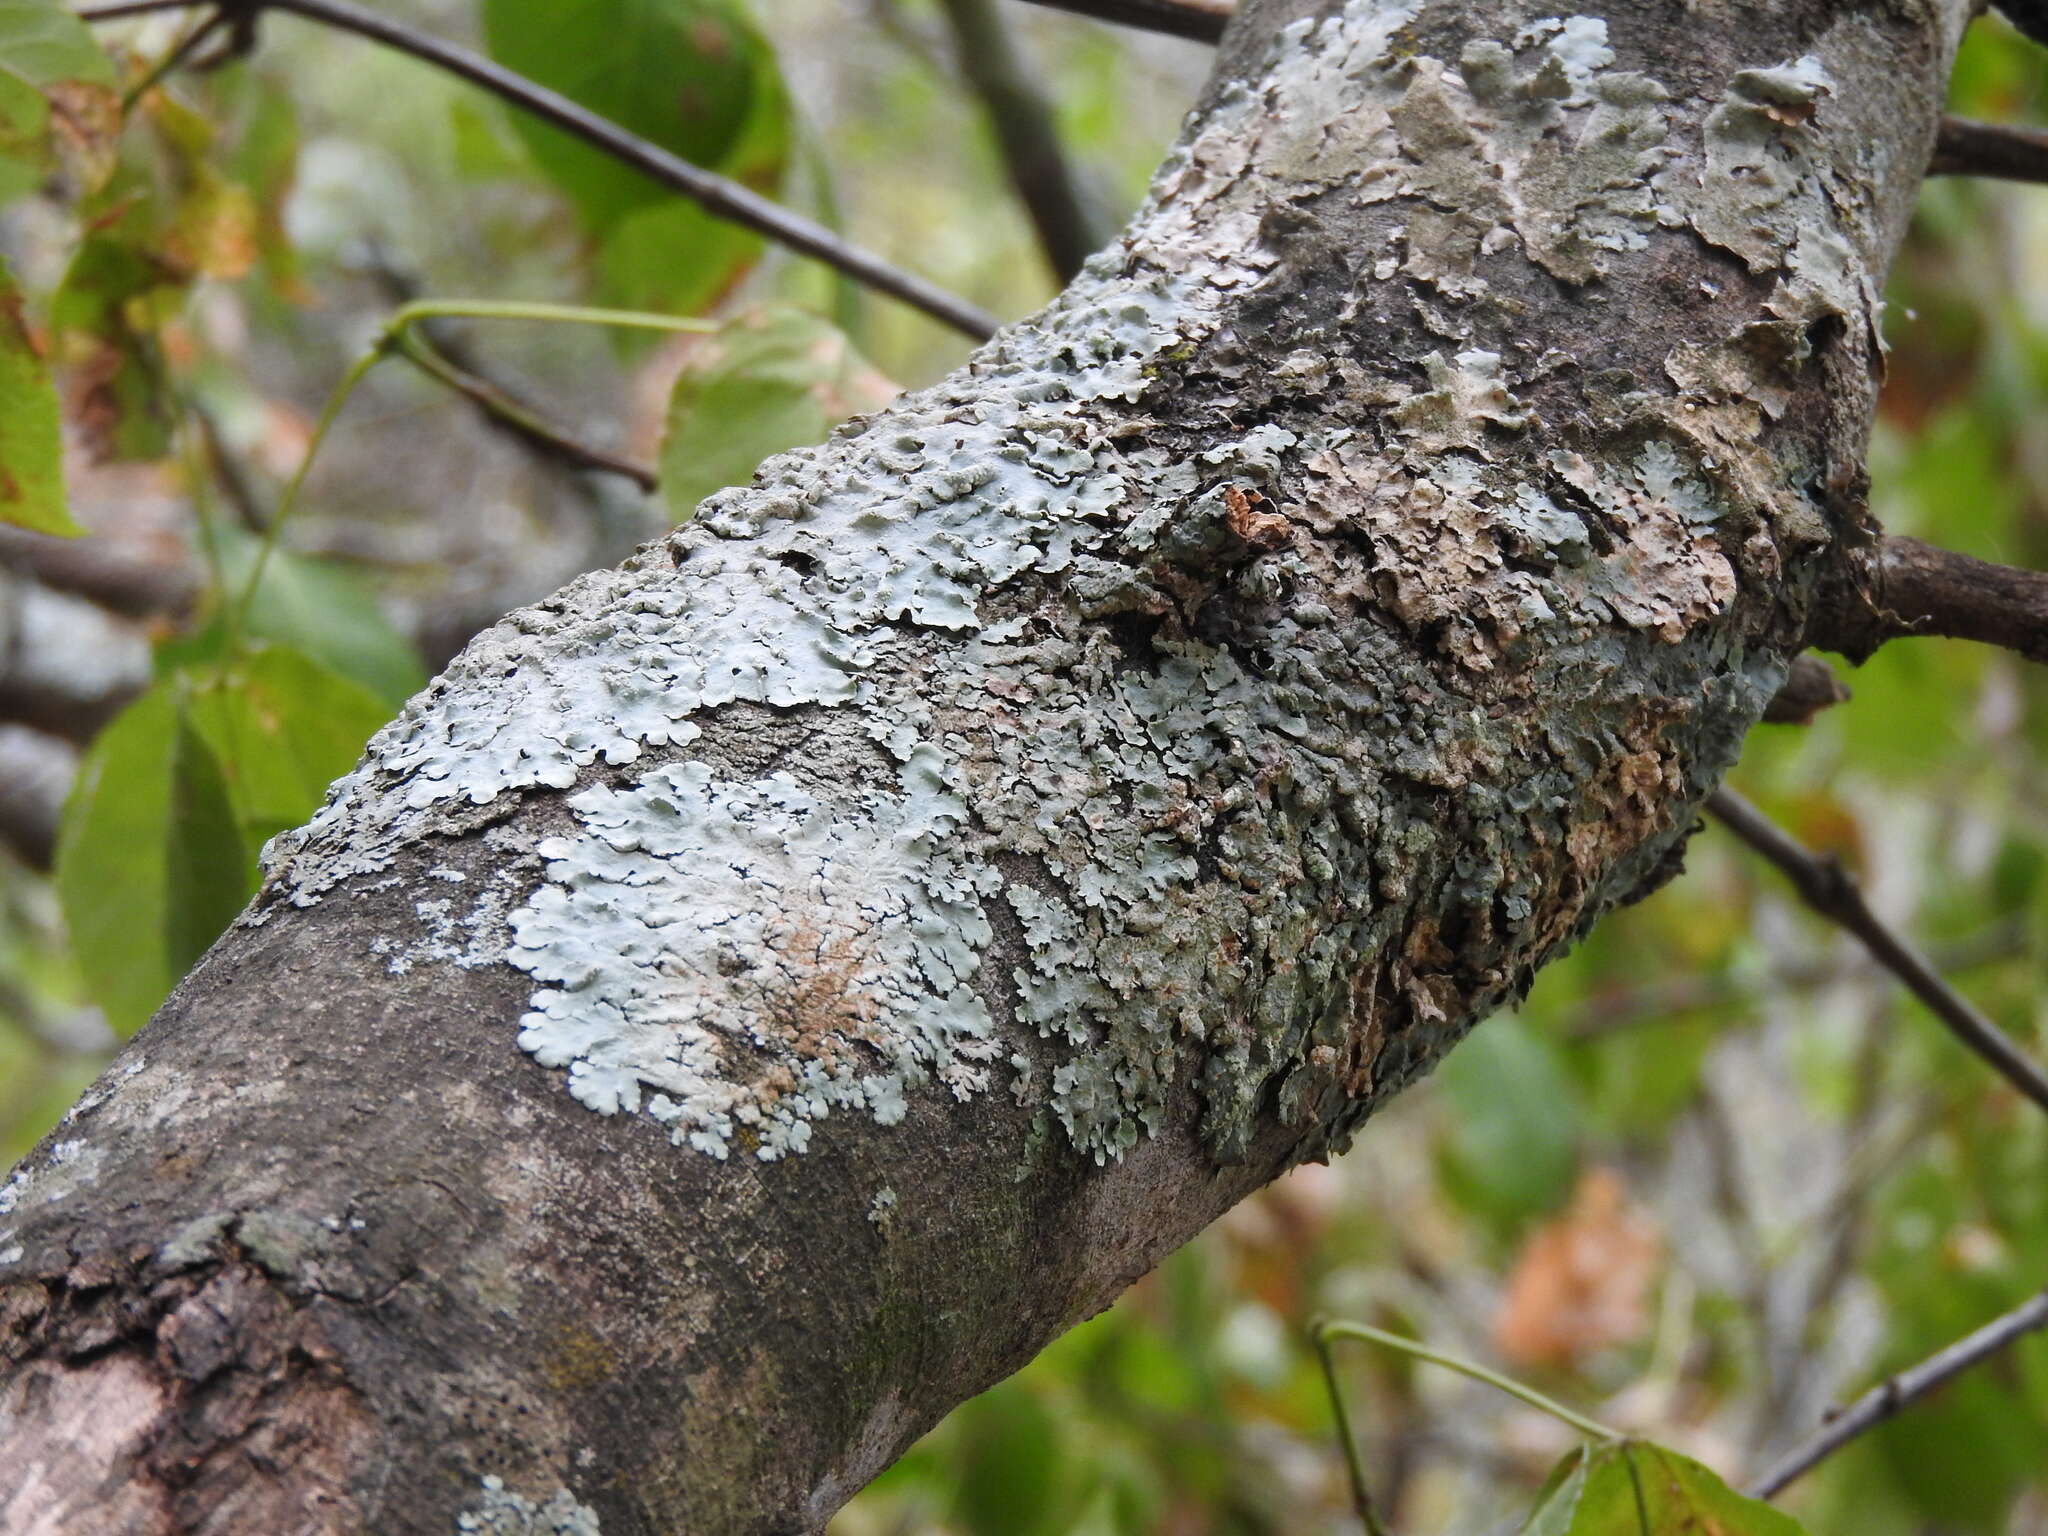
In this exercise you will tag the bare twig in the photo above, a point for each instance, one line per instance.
(1966, 147)
(1826, 887)
(1066, 225)
(1922, 590)
(521, 422)
(1895, 1392)
(718, 195)
(1202, 20)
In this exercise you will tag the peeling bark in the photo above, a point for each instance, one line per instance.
(757, 997)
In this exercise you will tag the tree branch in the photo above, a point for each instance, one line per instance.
(716, 194)
(500, 408)
(1201, 20)
(1827, 888)
(1067, 227)
(1885, 1399)
(1966, 147)
(1917, 589)
(101, 570)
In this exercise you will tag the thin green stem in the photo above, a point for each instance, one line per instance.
(238, 614)
(1354, 1466)
(199, 463)
(515, 309)
(1421, 1351)
(392, 338)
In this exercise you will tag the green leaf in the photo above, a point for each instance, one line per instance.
(283, 728)
(46, 45)
(150, 862)
(31, 444)
(773, 379)
(690, 75)
(55, 84)
(157, 852)
(1011, 1465)
(1635, 1488)
(322, 609)
(1513, 1144)
(114, 292)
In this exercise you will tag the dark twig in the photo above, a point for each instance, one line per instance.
(1826, 887)
(507, 412)
(1038, 170)
(1202, 20)
(1965, 147)
(179, 53)
(1657, 1002)
(1927, 591)
(727, 199)
(1895, 1392)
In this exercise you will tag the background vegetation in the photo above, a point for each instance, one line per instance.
(1716, 1175)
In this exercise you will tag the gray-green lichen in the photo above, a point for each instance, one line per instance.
(1281, 743)
(500, 1511)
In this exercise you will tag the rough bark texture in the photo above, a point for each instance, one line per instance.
(760, 995)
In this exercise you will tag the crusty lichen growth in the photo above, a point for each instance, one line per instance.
(502, 1511)
(1287, 717)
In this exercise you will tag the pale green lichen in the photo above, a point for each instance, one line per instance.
(501, 1511)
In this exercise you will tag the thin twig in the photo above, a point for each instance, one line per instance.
(1895, 1392)
(1966, 147)
(1826, 887)
(501, 408)
(178, 54)
(1656, 1002)
(1201, 20)
(1037, 167)
(718, 195)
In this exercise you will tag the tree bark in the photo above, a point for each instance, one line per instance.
(760, 995)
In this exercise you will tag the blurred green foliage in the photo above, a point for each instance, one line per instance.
(1714, 1175)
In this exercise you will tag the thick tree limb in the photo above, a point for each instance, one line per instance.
(716, 194)
(1038, 168)
(1826, 887)
(1967, 147)
(757, 997)
(1894, 1393)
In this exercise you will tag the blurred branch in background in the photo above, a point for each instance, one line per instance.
(1068, 227)
(1201, 20)
(1607, 1013)
(1896, 1392)
(501, 409)
(718, 195)
(35, 776)
(1966, 147)
(1827, 888)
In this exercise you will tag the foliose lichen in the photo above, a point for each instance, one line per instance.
(1285, 717)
